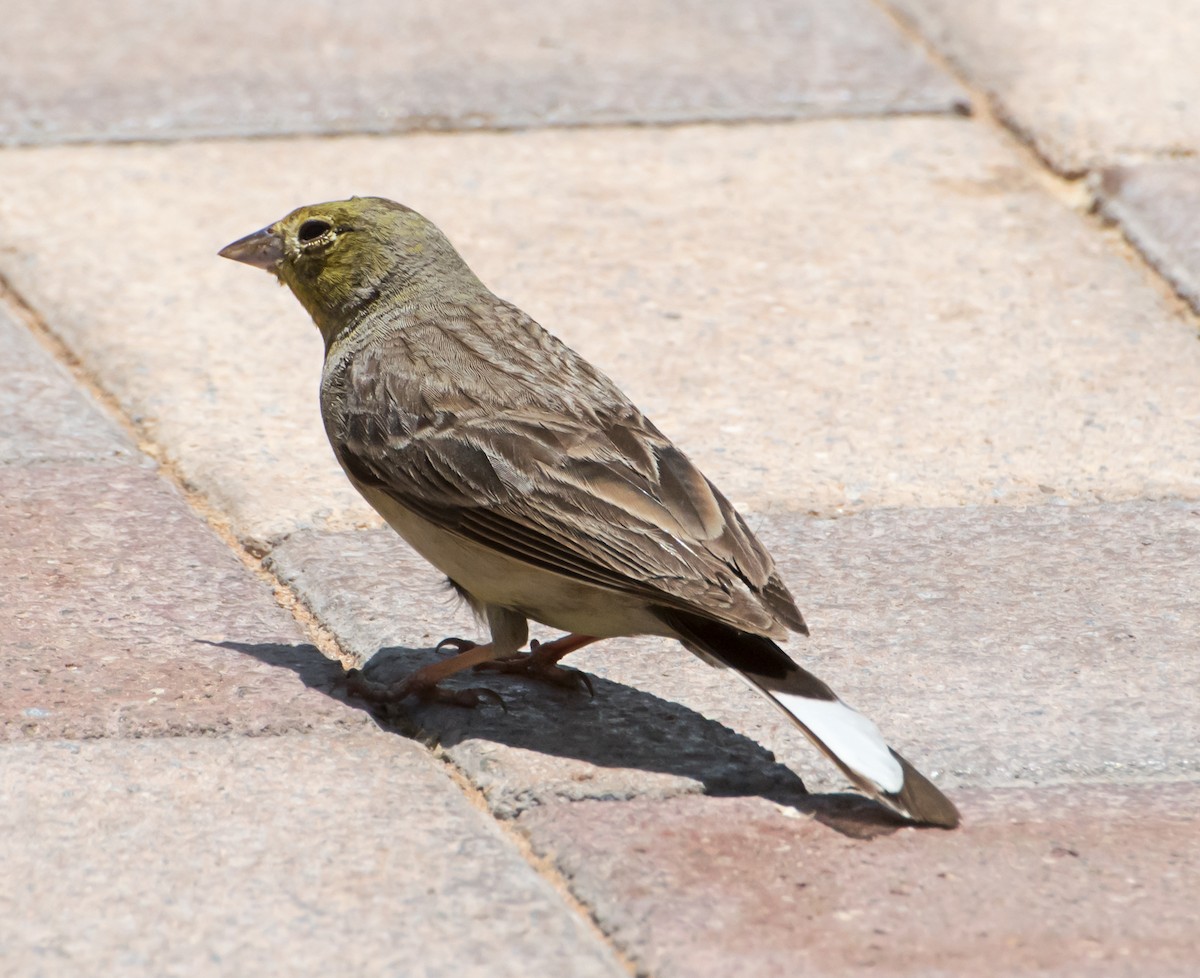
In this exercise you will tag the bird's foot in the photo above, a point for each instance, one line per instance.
(424, 683)
(526, 665)
(541, 663)
(427, 691)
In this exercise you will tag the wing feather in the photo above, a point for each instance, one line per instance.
(590, 490)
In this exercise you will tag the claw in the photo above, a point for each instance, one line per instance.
(366, 689)
(583, 681)
(460, 645)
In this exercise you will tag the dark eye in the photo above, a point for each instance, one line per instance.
(312, 229)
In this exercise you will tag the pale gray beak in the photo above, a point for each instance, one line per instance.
(262, 249)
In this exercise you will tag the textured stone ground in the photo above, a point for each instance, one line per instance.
(956, 394)
(1104, 90)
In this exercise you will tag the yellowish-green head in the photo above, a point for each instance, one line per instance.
(341, 257)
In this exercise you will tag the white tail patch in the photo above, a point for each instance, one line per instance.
(850, 736)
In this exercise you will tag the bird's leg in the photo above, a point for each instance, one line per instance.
(424, 682)
(541, 662)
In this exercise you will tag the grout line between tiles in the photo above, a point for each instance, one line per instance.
(544, 866)
(316, 632)
(949, 111)
(314, 629)
(1074, 190)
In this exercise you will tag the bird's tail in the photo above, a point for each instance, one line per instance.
(843, 735)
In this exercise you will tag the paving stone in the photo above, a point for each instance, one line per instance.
(44, 415)
(1083, 881)
(1072, 74)
(266, 856)
(1002, 645)
(386, 604)
(1158, 208)
(994, 646)
(879, 313)
(71, 72)
(118, 604)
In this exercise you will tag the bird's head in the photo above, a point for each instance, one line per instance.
(341, 257)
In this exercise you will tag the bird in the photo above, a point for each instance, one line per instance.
(526, 476)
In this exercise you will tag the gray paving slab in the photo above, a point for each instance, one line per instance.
(994, 646)
(124, 615)
(227, 68)
(1082, 881)
(44, 414)
(879, 313)
(1088, 84)
(1010, 646)
(1158, 207)
(266, 856)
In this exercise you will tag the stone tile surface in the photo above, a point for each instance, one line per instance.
(72, 72)
(1073, 75)
(1158, 208)
(993, 646)
(117, 603)
(1083, 881)
(266, 856)
(44, 415)
(879, 313)
(1002, 645)
(388, 606)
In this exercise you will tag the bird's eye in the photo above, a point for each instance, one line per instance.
(312, 229)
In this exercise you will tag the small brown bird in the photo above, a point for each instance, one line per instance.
(523, 474)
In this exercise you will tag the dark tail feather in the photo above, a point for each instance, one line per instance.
(843, 735)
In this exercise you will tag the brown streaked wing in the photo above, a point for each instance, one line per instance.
(614, 504)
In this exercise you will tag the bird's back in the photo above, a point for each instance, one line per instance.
(489, 426)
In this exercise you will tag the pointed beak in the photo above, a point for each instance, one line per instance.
(262, 249)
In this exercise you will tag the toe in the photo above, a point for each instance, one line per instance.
(372, 691)
(469, 698)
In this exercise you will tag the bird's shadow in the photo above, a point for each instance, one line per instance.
(617, 727)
